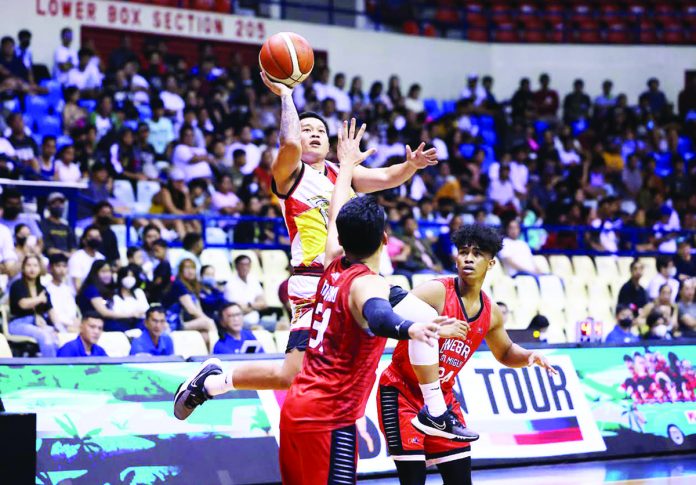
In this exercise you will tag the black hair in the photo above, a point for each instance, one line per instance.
(662, 262)
(312, 114)
(627, 358)
(204, 267)
(241, 258)
(539, 322)
(19, 227)
(361, 224)
(6, 39)
(161, 243)
(91, 314)
(634, 263)
(10, 193)
(190, 240)
(228, 304)
(65, 30)
(100, 205)
(48, 138)
(130, 252)
(653, 318)
(486, 238)
(154, 308)
(56, 258)
(106, 291)
(91, 227)
(238, 153)
(123, 272)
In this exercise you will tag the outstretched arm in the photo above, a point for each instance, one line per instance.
(349, 156)
(287, 160)
(506, 351)
(367, 180)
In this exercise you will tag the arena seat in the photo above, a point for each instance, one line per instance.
(505, 291)
(255, 264)
(281, 339)
(607, 268)
(146, 190)
(271, 282)
(542, 263)
(576, 296)
(5, 350)
(18, 339)
(36, 106)
(649, 271)
(265, 338)
(120, 233)
(624, 264)
(215, 235)
(419, 279)
(555, 334)
(123, 191)
(49, 125)
(560, 266)
(527, 292)
(584, 268)
(275, 261)
(551, 292)
(65, 337)
(523, 316)
(115, 344)
(399, 280)
(188, 343)
(219, 259)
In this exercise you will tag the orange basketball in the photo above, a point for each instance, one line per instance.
(286, 58)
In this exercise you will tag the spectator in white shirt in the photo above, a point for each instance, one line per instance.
(666, 273)
(192, 160)
(65, 57)
(321, 85)
(245, 290)
(85, 76)
(66, 168)
(413, 101)
(81, 261)
(161, 128)
(339, 94)
(173, 102)
(473, 91)
(666, 230)
(62, 293)
(8, 256)
(502, 192)
(516, 254)
(224, 200)
(253, 152)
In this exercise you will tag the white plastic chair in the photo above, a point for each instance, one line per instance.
(115, 344)
(123, 192)
(188, 343)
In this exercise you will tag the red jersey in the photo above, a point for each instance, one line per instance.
(454, 353)
(340, 364)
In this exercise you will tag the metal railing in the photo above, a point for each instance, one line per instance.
(629, 238)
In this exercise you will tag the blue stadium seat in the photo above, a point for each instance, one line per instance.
(63, 140)
(489, 137)
(145, 112)
(55, 93)
(12, 105)
(486, 122)
(49, 125)
(431, 107)
(449, 106)
(663, 164)
(36, 106)
(684, 145)
(28, 121)
(579, 127)
(467, 150)
(88, 104)
(540, 127)
(37, 138)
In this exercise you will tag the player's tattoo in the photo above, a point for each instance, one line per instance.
(289, 120)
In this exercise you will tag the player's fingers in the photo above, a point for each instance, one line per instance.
(351, 133)
(431, 152)
(420, 147)
(361, 132)
(365, 155)
(432, 162)
(409, 153)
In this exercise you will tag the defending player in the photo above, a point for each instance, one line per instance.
(400, 399)
(304, 181)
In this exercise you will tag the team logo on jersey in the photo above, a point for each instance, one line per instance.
(334, 276)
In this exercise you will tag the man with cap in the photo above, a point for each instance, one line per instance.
(62, 292)
(59, 237)
(85, 345)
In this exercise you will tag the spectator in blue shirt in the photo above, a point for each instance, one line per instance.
(153, 341)
(621, 333)
(235, 335)
(85, 345)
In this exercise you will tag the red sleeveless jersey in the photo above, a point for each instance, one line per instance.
(340, 364)
(454, 353)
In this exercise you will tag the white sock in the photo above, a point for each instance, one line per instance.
(219, 383)
(434, 400)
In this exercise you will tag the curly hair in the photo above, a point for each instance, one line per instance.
(486, 238)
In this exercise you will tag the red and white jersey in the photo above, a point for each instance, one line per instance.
(340, 364)
(306, 211)
(454, 353)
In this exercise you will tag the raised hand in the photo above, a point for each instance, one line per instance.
(276, 88)
(541, 361)
(421, 158)
(457, 329)
(348, 150)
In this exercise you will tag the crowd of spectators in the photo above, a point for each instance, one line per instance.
(205, 135)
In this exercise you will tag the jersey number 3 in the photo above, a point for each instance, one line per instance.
(320, 322)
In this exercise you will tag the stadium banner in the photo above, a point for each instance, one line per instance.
(105, 422)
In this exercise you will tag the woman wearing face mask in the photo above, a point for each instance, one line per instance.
(25, 242)
(663, 304)
(658, 328)
(97, 294)
(129, 297)
(31, 312)
(183, 305)
(212, 299)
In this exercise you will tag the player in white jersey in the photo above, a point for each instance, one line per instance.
(303, 179)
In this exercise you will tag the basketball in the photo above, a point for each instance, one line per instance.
(286, 58)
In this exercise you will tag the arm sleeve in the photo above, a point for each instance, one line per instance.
(382, 320)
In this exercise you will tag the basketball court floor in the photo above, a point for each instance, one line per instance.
(661, 470)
